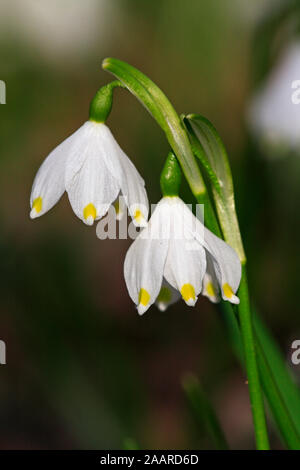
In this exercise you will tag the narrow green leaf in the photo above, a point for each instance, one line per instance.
(280, 388)
(203, 411)
(198, 151)
(278, 384)
(217, 160)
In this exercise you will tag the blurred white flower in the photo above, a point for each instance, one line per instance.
(274, 112)
(57, 27)
(93, 169)
(176, 247)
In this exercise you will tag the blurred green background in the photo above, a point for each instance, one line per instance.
(83, 369)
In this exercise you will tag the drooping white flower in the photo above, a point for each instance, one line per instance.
(176, 251)
(274, 111)
(93, 169)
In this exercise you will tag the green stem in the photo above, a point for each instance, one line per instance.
(158, 105)
(247, 333)
(249, 353)
(101, 104)
(256, 397)
(170, 178)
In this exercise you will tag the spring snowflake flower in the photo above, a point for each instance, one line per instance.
(176, 252)
(93, 169)
(274, 112)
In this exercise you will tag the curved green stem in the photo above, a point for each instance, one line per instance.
(156, 102)
(101, 104)
(170, 177)
(249, 346)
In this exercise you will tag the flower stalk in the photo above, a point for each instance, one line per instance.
(256, 397)
(101, 104)
(170, 178)
(158, 105)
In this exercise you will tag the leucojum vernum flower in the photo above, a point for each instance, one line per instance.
(94, 170)
(177, 248)
(175, 254)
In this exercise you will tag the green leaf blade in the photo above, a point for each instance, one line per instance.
(204, 412)
(217, 161)
(279, 385)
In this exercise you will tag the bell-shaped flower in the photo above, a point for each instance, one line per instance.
(176, 251)
(94, 170)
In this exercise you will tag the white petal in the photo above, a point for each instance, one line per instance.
(185, 268)
(186, 260)
(144, 263)
(167, 296)
(133, 189)
(226, 263)
(108, 147)
(49, 183)
(90, 184)
(131, 182)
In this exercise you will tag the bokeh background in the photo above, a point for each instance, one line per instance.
(83, 370)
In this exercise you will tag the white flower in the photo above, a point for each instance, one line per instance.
(274, 112)
(176, 247)
(93, 169)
